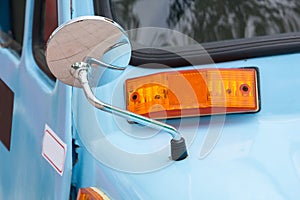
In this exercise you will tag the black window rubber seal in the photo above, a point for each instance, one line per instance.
(218, 51)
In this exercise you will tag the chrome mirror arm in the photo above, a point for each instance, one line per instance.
(91, 60)
(79, 70)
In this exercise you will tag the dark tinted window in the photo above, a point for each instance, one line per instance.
(12, 14)
(211, 20)
(45, 21)
(226, 29)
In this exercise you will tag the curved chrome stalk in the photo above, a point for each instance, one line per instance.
(92, 60)
(178, 148)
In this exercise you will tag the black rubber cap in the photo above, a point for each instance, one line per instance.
(178, 149)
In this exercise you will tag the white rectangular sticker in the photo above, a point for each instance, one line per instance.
(54, 150)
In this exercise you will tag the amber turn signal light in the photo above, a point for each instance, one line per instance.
(194, 93)
(91, 194)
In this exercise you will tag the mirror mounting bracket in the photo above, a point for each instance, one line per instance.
(79, 71)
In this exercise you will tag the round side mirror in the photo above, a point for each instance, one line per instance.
(79, 46)
(92, 39)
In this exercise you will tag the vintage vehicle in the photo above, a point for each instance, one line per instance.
(149, 99)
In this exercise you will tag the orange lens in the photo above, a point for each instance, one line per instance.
(91, 194)
(193, 93)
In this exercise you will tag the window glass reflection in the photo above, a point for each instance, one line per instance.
(211, 20)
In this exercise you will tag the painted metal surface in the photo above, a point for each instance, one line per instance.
(24, 173)
(256, 157)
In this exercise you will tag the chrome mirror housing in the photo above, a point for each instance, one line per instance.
(91, 39)
(78, 47)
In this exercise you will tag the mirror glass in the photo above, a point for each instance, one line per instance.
(84, 38)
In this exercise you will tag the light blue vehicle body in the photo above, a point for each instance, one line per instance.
(257, 156)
